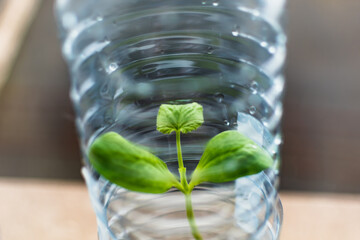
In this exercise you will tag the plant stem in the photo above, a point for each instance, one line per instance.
(182, 170)
(187, 191)
(178, 146)
(191, 218)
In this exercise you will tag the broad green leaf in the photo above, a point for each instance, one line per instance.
(130, 166)
(184, 118)
(228, 156)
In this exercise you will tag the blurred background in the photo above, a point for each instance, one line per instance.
(321, 105)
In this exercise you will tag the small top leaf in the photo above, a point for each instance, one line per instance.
(184, 118)
(228, 156)
(130, 166)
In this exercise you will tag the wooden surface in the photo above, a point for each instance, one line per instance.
(36, 210)
(320, 216)
(40, 210)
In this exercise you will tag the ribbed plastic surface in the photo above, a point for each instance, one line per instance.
(128, 57)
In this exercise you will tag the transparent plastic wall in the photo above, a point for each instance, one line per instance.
(127, 57)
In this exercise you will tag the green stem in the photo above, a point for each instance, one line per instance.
(182, 169)
(178, 146)
(187, 191)
(191, 218)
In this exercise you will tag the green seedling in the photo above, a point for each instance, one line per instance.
(227, 156)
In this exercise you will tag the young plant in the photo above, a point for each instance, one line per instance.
(227, 156)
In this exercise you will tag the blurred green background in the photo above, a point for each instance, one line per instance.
(321, 105)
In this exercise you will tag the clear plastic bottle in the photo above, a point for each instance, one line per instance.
(127, 57)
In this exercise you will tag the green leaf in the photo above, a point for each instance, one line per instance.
(130, 166)
(184, 118)
(228, 156)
